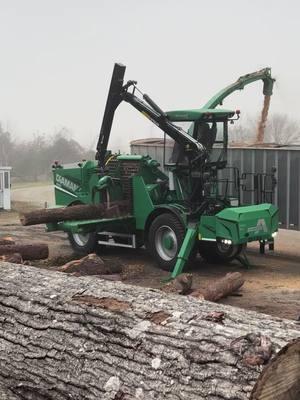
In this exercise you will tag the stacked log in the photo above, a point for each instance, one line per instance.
(28, 251)
(63, 337)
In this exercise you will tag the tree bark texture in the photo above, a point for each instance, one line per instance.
(76, 212)
(65, 337)
(30, 251)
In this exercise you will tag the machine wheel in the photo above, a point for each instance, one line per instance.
(217, 252)
(165, 238)
(83, 243)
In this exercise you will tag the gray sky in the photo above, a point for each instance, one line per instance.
(57, 57)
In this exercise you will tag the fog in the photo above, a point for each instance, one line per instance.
(57, 59)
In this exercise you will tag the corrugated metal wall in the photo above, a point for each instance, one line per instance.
(286, 160)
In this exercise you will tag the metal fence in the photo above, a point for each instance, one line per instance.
(286, 160)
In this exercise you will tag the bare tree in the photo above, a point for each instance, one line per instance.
(32, 159)
(243, 131)
(6, 147)
(282, 130)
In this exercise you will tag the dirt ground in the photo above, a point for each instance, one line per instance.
(272, 283)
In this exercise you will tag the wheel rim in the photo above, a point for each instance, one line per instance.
(81, 239)
(166, 242)
(226, 249)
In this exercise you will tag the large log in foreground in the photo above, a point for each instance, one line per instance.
(63, 337)
(76, 212)
(29, 251)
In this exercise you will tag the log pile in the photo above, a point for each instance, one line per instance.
(28, 251)
(65, 337)
(92, 264)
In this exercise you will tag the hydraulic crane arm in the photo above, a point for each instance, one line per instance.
(263, 74)
(159, 118)
(118, 93)
(112, 102)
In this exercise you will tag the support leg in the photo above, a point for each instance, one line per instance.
(262, 245)
(243, 259)
(185, 250)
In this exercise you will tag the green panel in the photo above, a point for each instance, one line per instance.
(142, 203)
(74, 182)
(246, 224)
(240, 224)
(207, 227)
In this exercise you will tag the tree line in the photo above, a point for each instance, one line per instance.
(31, 160)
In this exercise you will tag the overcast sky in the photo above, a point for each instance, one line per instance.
(57, 57)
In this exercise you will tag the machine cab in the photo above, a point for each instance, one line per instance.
(208, 127)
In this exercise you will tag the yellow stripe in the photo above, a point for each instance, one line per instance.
(146, 115)
(110, 158)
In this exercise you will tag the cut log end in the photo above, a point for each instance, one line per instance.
(280, 380)
(15, 258)
(182, 284)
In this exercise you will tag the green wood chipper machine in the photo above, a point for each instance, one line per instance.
(191, 207)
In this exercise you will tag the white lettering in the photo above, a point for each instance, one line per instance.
(260, 226)
(61, 180)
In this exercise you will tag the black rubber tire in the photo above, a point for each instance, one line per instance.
(210, 252)
(86, 248)
(171, 221)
